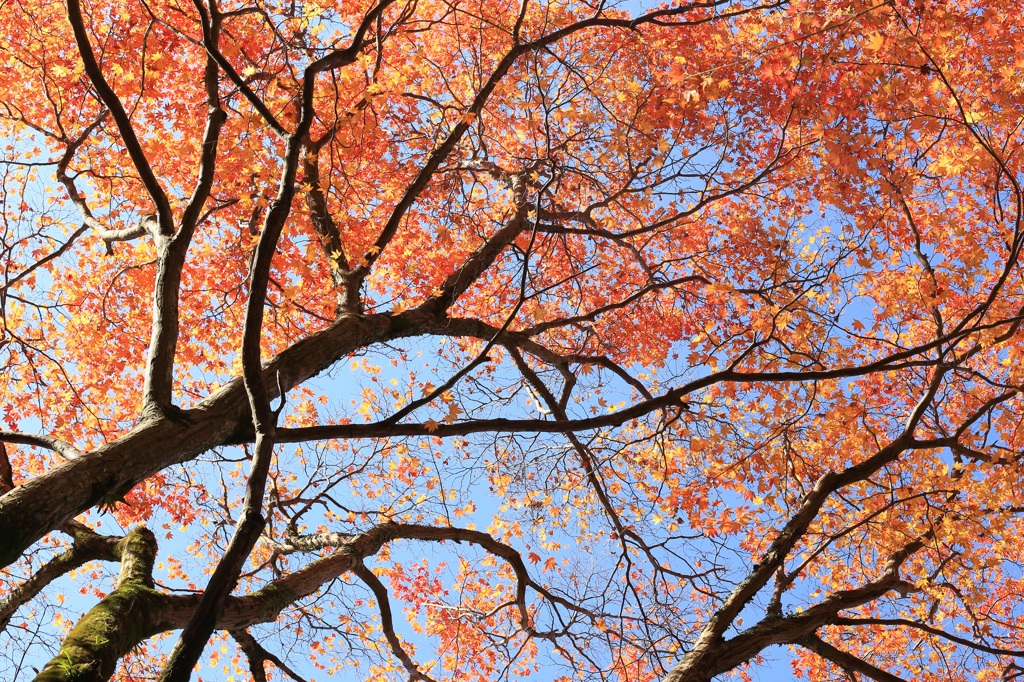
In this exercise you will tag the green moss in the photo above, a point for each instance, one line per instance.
(118, 623)
(273, 599)
(105, 634)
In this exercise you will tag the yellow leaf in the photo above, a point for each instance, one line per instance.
(874, 41)
(453, 414)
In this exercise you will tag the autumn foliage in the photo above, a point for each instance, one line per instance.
(478, 339)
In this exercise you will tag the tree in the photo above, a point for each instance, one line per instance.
(435, 339)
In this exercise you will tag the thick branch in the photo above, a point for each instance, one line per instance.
(250, 524)
(159, 379)
(264, 604)
(323, 222)
(31, 510)
(671, 398)
(113, 627)
(707, 647)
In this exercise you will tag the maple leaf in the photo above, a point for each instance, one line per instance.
(677, 75)
(453, 414)
(874, 41)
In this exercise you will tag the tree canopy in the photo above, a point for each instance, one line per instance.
(475, 339)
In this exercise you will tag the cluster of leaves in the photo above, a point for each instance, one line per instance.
(471, 339)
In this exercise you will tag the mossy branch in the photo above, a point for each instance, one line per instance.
(113, 627)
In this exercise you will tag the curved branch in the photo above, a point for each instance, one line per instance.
(146, 225)
(410, 531)
(518, 49)
(56, 253)
(707, 646)
(124, 124)
(88, 546)
(61, 447)
(114, 626)
(324, 224)
(387, 623)
(671, 398)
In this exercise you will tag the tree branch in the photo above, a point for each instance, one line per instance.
(87, 546)
(845, 660)
(61, 447)
(124, 125)
(257, 655)
(158, 389)
(114, 626)
(387, 623)
(938, 632)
